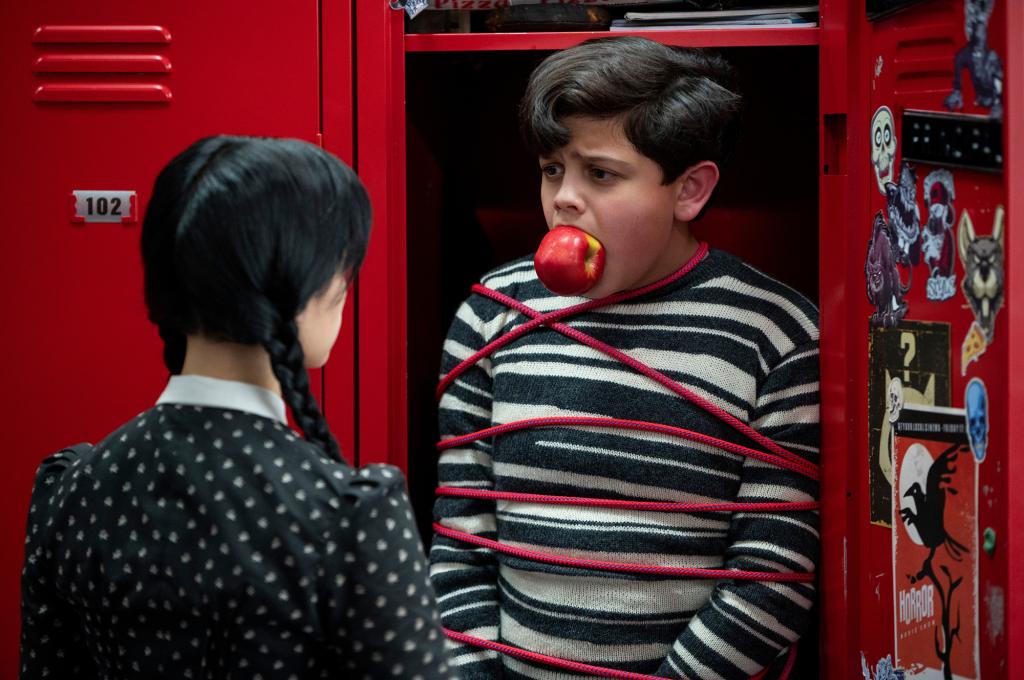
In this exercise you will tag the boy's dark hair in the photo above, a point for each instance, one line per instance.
(678, 105)
(239, 234)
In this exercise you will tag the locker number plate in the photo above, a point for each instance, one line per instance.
(103, 206)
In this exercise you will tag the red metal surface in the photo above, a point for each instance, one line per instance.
(740, 37)
(1010, 413)
(337, 125)
(80, 355)
(837, 273)
(905, 61)
(380, 160)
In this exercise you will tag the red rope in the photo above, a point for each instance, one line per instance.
(800, 465)
(598, 565)
(782, 458)
(651, 373)
(500, 342)
(652, 506)
(600, 671)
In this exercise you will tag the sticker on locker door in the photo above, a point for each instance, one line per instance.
(103, 206)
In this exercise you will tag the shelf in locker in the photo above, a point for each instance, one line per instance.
(760, 36)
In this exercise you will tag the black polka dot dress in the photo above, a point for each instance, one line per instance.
(200, 541)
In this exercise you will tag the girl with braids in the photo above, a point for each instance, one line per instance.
(203, 538)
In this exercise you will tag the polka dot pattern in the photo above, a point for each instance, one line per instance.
(209, 543)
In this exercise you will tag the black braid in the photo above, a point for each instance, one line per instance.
(286, 358)
(174, 349)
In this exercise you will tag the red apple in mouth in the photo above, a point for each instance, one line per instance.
(569, 261)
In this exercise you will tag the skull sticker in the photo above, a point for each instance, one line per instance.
(937, 235)
(976, 409)
(883, 146)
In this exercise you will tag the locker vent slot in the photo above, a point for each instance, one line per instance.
(79, 73)
(102, 63)
(923, 59)
(954, 139)
(101, 34)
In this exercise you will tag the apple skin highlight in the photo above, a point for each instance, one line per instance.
(569, 261)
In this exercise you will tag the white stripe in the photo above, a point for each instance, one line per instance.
(508, 596)
(639, 459)
(774, 548)
(799, 415)
(683, 366)
(623, 377)
(691, 661)
(462, 456)
(463, 591)
(769, 397)
(639, 528)
(471, 524)
(575, 513)
(723, 647)
(682, 332)
(449, 402)
(786, 305)
(579, 650)
(583, 482)
(610, 594)
(448, 613)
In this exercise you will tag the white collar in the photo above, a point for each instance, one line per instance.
(201, 390)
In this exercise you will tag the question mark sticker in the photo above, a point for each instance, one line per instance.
(908, 341)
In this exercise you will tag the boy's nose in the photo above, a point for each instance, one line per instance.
(568, 199)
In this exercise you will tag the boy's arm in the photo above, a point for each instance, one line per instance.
(465, 576)
(745, 624)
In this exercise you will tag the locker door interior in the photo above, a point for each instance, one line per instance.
(928, 548)
(99, 98)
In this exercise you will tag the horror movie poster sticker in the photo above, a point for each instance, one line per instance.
(935, 545)
(908, 364)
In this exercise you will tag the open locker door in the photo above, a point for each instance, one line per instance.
(929, 333)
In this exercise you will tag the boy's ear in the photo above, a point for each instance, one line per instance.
(694, 189)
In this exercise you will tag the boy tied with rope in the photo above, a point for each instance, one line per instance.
(628, 483)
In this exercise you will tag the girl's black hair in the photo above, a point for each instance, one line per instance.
(679, 106)
(240, 233)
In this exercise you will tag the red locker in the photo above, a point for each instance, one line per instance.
(817, 217)
(100, 97)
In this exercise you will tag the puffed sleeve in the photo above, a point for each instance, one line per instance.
(51, 635)
(386, 622)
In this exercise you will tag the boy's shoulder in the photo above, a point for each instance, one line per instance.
(738, 284)
(513, 276)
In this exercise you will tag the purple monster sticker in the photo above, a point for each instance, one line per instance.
(937, 237)
(884, 286)
(981, 62)
(904, 215)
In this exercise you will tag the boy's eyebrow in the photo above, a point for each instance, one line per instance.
(597, 158)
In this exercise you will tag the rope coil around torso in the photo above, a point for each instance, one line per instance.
(774, 455)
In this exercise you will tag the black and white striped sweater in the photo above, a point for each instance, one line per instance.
(726, 331)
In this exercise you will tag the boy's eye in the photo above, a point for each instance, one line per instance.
(551, 170)
(601, 175)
